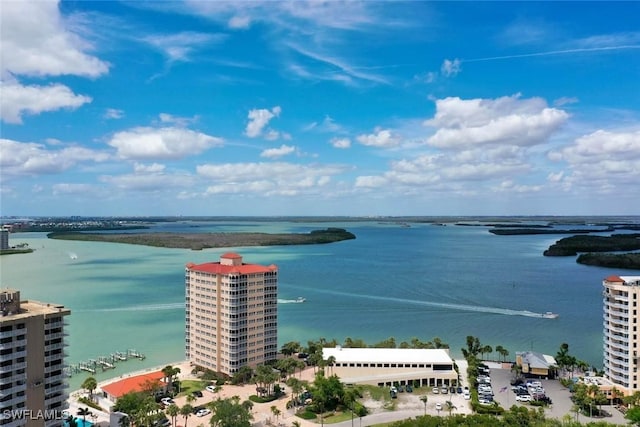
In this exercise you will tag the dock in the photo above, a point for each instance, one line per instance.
(104, 363)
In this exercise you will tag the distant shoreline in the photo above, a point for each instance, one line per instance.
(199, 241)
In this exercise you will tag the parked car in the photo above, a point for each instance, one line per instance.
(393, 393)
(523, 398)
(438, 406)
(435, 390)
(401, 389)
(409, 388)
(466, 395)
(197, 393)
(203, 412)
(452, 390)
(444, 390)
(211, 388)
(166, 401)
(459, 390)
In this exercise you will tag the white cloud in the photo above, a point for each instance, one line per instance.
(18, 100)
(152, 168)
(176, 120)
(600, 162)
(285, 179)
(27, 158)
(180, 46)
(505, 120)
(450, 68)
(145, 143)
(239, 22)
(113, 113)
(380, 138)
(341, 142)
(66, 188)
(274, 153)
(149, 182)
(259, 119)
(601, 146)
(37, 42)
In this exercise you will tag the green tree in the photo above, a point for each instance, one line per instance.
(331, 360)
(90, 384)
(503, 352)
(276, 412)
(186, 412)
(290, 348)
(633, 415)
(424, 400)
(83, 412)
(230, 413)
(173, 411)
(450, 406)
(264, 378)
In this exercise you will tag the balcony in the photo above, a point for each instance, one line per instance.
(12, 390)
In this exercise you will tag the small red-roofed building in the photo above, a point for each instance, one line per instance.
(231, 314)
(136, 383)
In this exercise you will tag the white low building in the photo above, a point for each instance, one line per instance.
(388, 366)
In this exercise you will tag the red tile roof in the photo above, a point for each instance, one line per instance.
(614, 279)
(131, 384)
(217, 268)
(231, 255)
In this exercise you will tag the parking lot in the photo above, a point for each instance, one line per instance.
(559, 395)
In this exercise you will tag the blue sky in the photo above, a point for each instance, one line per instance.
(320, 108)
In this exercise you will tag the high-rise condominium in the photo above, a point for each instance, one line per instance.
(33, 391)
(231, 314)
(621, 300)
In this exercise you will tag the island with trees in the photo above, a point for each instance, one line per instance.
(596, 250)
(199, 241)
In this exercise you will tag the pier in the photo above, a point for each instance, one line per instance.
(103, 362)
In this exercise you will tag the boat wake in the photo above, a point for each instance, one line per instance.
(141, 307)
(454, 306)
(291, 301)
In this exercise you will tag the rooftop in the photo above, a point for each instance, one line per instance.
(387, 355)
(132, 384)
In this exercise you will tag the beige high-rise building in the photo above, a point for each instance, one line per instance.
(621, 305)
(33, 390)
(231, 314)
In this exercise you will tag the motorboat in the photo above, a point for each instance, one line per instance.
(549, 315)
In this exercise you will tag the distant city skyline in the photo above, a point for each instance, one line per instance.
(319, 108)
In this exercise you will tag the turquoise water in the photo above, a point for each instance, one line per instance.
(422, 281)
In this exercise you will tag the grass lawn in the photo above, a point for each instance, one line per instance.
(338, 417)
(189, 386)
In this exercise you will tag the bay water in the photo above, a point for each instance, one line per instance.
(397, 281)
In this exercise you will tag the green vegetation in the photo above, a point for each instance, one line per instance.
(570, 246)
(526, 231)
(199, 241)
(630, 261)
(516, 416)
(13, 251)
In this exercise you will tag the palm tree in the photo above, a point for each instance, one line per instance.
(331, 360)
(276, 412)
(424, 400)
(173, 412)
(502, 352)
(186, 411)
(450, 406)
(83, 412)
(90, 384)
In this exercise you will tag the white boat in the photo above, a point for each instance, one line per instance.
(549, 315)
(300, 299)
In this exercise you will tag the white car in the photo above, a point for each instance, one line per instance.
(466, 395)
(523, 398)
(438, 406)
(211, 388)
(203, 412)
(166, 401)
